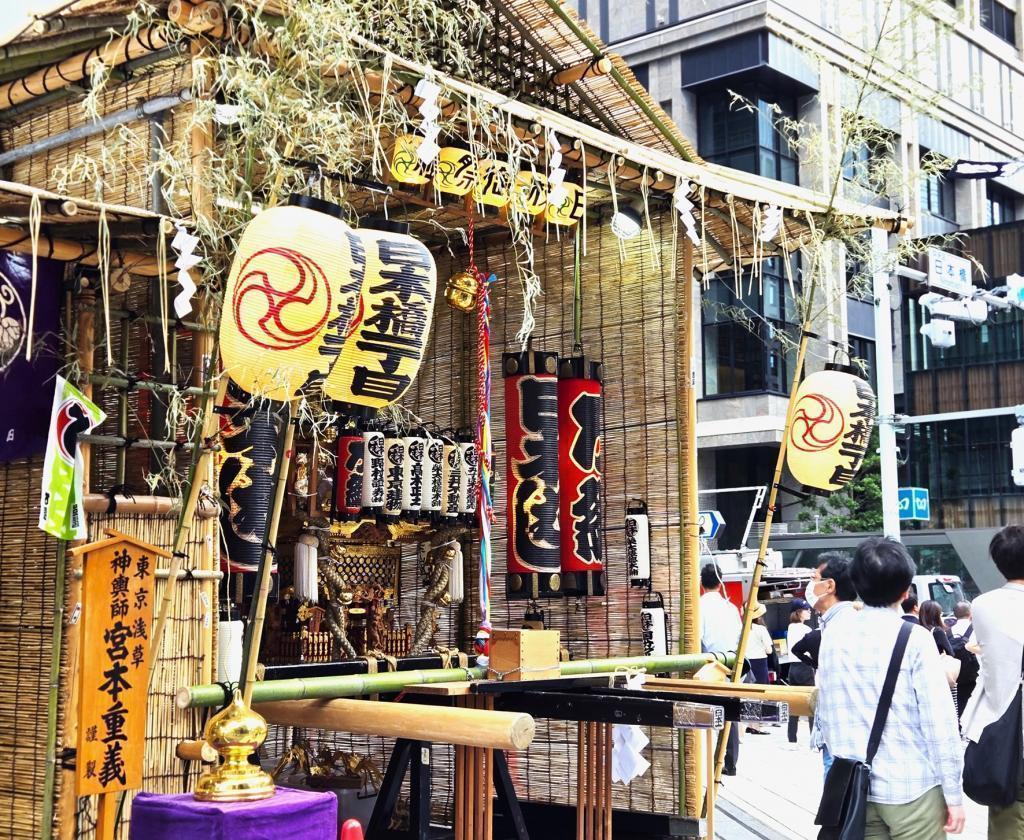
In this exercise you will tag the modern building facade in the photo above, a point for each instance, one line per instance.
(952, 84)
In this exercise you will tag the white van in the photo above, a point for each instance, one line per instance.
(946, 589)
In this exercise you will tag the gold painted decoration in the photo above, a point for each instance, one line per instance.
(294, 282)
(493, 184)
(530, 194)
(386, 340)
(833, 415)
(461, 291)
(456, 171)
(406, 166)
(570, 210)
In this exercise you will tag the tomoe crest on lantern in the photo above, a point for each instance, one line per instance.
(833, 416)
(406, 166)
(570, 210)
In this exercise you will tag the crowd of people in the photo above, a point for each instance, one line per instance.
(957, 678)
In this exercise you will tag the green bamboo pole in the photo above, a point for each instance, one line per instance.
(50, 779)
(354, 685)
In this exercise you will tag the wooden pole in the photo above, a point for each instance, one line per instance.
(20, 242)
(596, 66)
(106, 815)
(690, 744)
(67, 804)
(259, 610)
(773, 496)
(442, 724)
(799, 698)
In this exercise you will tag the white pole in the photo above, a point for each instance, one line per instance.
(886, 396)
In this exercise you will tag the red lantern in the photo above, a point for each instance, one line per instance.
(579, 475)
(348, 474)
(531, 474)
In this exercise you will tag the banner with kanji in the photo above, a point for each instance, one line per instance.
(61, 512)
(117, 620)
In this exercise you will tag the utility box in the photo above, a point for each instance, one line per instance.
(524, 655)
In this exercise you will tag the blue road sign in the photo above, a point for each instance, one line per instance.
(710, 523)
(914, 504)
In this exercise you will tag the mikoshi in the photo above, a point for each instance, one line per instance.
(224, 231)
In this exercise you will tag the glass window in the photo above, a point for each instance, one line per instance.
(749, 339)
(999, 20)
(862, 356)
(748, 135)
(938, 195)
(1000, 205)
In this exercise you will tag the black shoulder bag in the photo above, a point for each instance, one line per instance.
(842, 813)
(994, 766)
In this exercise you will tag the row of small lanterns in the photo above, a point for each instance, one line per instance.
(491, 182)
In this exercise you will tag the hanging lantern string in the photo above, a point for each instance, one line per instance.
(483, 428)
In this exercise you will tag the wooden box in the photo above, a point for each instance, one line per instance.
(524, 655)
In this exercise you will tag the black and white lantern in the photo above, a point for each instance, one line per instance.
(451, 478)
(469, 479)
(638, 544)
(374, 471)
(394, 472)
(433, 472)
(653, 625)
(412, 472)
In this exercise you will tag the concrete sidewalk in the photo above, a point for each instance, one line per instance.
(775, 793)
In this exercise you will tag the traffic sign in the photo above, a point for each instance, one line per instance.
(949, 272)
(914, 504)
(710, 523)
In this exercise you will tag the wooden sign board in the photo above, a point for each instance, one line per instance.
(118, 593)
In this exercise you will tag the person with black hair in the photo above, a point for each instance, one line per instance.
(999, 633)
(720, 628)
(910, 609)
(915, 791)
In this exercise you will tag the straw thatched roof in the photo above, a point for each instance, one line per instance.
(609, 115)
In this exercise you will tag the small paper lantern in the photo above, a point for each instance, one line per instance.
(451, 477)
(394, 472)
(374, 471)
(570, 210)
(530, 194)
(412, 472)
(406, 166)
(493, 183)
(653, 625)
(833, 415)
(638, 544)
(383, 346)
(469, 479)
(531, 474)
(456, 171)
(579, 475)
(348, 472)
(433, 468)
(295, 278)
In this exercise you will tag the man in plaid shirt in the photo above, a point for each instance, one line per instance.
(915, 778)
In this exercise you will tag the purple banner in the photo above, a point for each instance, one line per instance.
(26, 388)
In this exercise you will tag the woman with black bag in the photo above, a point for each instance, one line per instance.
(992, 720)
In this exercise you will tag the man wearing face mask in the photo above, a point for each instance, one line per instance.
(831, 594)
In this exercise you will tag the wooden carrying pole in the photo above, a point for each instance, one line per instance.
(799, 698)
(769, 516)
(441, 724)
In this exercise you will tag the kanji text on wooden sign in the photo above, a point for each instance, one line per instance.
(117, 619)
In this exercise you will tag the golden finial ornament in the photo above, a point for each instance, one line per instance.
(235, 733)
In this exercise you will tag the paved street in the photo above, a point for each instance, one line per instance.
(776, 793)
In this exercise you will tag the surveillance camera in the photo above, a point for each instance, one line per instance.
(1015, 290)
(975, 311)
(931, 299)
(941, 333)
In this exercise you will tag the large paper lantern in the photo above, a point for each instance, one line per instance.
(250, 436)
(569, 210)
(386, 338)
(638, 544)
(531, 474)
(579, 475)
(348, 473)
(294, 282)
(456, 171)
(833, 415)
(406, 166)
(530, 194)
(493, 183)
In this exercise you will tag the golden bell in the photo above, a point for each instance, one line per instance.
(461, 291)
(235, 732)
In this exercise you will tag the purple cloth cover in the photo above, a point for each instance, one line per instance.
(290, 813)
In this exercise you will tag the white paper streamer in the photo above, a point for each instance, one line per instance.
(428, 91)
(185, 244)
(771, 221)
(229, 651)
(684, 207)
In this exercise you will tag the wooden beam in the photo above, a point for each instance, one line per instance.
(596, 66)
(799, 698)
(441, 724)
(86, 253)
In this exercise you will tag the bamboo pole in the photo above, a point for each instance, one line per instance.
(773, 495)
(68, 801)
(691, 764)
(20, 242)
(147, 505)
(355, 685)
(258, 613)
(441, 724)
(52, 706)
(599, 65)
